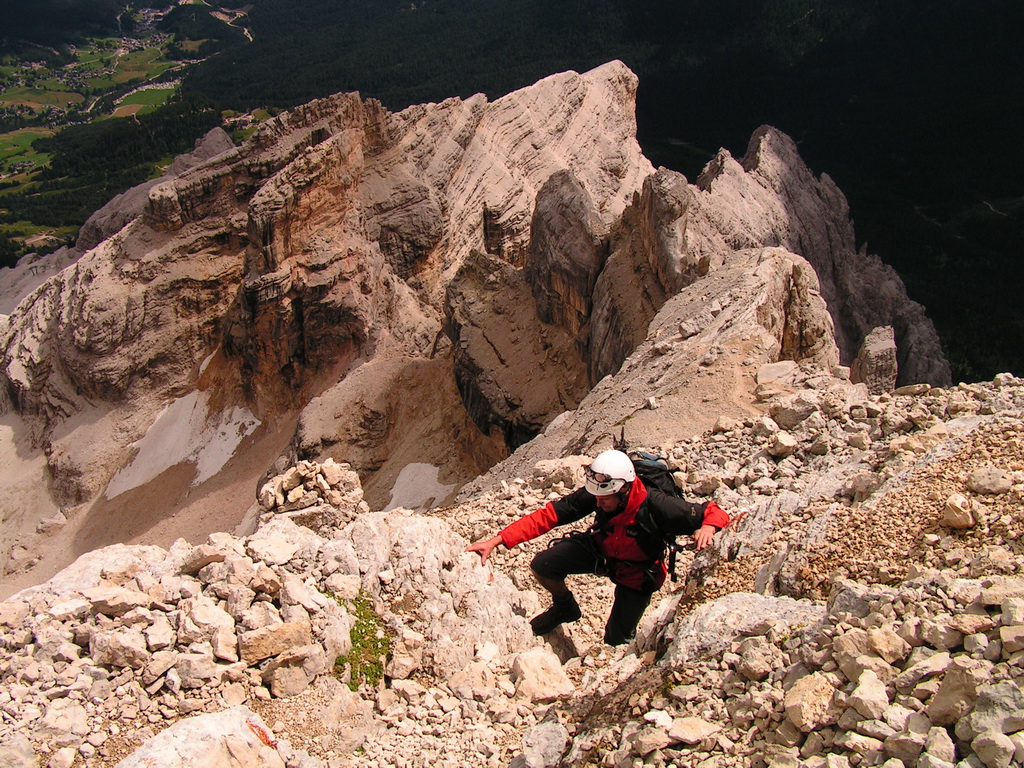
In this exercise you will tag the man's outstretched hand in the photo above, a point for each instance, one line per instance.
(484, 548)
(703, 536)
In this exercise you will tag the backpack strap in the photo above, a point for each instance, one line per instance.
(648, 535)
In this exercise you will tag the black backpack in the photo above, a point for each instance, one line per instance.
(654, 472)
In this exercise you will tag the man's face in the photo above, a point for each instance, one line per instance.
(613, 503)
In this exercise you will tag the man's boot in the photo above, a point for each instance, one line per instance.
(563, 610)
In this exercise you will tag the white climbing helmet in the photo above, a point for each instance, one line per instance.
(609, 472)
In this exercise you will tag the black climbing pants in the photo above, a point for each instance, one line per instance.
(579, 554)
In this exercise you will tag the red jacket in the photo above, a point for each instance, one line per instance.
(632, 557)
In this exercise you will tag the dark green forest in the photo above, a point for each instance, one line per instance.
(55, 23)
(404, 53)
(195, 22)
(914, 111)
(912, 107)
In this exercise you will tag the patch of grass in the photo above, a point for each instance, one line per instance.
(160, 166)
(28, 229)
(239, 137)
(140, 65)
(150, 97)
(101, 82)
(16, 147)
(371, 645)
(94, 56)
(23, 237)
(40, 97)
(96, 61)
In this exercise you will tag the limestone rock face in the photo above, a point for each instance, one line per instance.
(759, 304)
(129, 205)
(641, 272)
(33, 270)
(672, 238)
(93, 330)
(565, 254)
(308, 229)
(771, 195)
(502, 352)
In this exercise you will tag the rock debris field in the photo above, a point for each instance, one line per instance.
(866, 608)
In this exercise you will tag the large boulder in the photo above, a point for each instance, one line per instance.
(236, 736)
(419, 563)
(714, 625)
(876, 364)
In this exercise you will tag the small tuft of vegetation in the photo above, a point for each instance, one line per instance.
(371, 645)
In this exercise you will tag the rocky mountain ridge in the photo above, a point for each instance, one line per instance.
(358, 311)
(499, 259)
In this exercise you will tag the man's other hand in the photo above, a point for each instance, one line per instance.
(484, 548)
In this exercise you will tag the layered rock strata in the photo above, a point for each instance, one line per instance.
(696, 359)
(33, 270)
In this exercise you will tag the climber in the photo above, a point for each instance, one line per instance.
(626, 542)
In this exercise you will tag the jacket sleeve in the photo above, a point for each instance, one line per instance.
(716, 516)
(676, 517)
(530, 526)
(568, 509)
